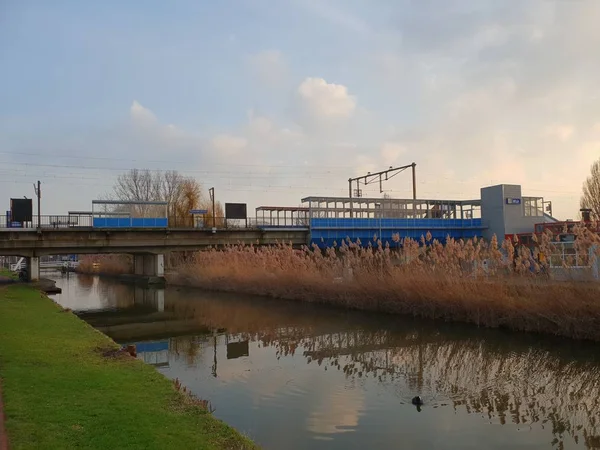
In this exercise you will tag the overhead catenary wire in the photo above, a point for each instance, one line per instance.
(144, 161)
(82, 172)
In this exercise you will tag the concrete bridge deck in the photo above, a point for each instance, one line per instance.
(35, 243)
(148, 245)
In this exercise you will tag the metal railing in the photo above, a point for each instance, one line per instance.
(21, 263)
(222, 223)
(185, 222)
(567, 255)
(49, 221)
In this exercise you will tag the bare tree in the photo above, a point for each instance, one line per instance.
(172, 188)
(137, 186)
(590, 199)
(181, 193)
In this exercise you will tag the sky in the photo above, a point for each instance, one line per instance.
(271, 101)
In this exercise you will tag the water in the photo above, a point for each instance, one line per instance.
(299, 376)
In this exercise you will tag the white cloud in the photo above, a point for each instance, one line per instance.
(472, 92)
(228, 145)
(562, 132)
(334, 14)
(390, 152)
(269, 66)
(326, 100)
(141, 115)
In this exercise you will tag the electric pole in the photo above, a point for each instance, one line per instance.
(38, 192)
(378, 177)
(211, 191)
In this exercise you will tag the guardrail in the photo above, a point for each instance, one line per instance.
(185, 222)
(52, 221)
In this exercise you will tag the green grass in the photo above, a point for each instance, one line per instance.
(8, 274)
(60, 392)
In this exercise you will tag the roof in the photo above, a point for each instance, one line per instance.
(281, 208)
(127, 202)
(389, 200)
(91, 213)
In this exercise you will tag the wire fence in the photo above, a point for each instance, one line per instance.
(49, 221)
(71, 221)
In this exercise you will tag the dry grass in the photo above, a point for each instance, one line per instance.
(105, 264)
(474, 281)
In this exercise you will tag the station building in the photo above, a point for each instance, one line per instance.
(501, 210)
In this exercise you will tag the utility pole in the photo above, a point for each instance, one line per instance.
(38, 192)
(211, 191)
(378, 177)
(414, 177)
(350, 195)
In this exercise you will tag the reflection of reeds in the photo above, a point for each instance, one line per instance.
(470, 281)
(509, 377)
(521, 387)
(105, 264)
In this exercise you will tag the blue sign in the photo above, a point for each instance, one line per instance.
(198, 211)
(513, 201)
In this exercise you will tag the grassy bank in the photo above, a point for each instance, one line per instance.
(467, 281)
(65, 387)
(5, 273)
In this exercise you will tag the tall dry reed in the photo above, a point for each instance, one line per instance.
(486, 283)
(105, 264)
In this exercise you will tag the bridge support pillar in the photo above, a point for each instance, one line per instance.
(149, 265)
(33, 268)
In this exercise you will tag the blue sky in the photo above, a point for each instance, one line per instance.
(271, 101)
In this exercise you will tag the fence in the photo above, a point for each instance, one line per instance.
(250, 223)
(50, 221)
(567, 255)
(185, 222)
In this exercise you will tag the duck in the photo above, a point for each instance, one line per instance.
(418, 401)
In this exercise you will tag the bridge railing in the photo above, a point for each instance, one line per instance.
(222, 223)
(49, 221)
(185, 222)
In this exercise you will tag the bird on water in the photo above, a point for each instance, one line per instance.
(417, 401)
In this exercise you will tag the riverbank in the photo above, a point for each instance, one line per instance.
(6, 276)
(463, 282)
(64, 385)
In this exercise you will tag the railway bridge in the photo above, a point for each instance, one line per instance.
(147, 245)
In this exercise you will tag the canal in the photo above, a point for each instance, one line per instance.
(298, 376)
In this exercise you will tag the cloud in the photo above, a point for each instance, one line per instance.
(227, 145)
(323, 100)
(269, 66)
(475, 92)
(337, 15)
(390, 152)
(141, 115)
(562, 132)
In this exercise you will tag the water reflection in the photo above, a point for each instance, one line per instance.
(294, 375)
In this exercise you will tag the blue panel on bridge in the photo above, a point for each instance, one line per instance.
(144, 347)
(326, 232)
(146, 222)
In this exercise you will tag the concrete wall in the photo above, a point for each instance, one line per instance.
(149, 265)
(492, 211)
(502, 218)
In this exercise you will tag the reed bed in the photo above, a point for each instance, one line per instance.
(485, 283)
(112, 264)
